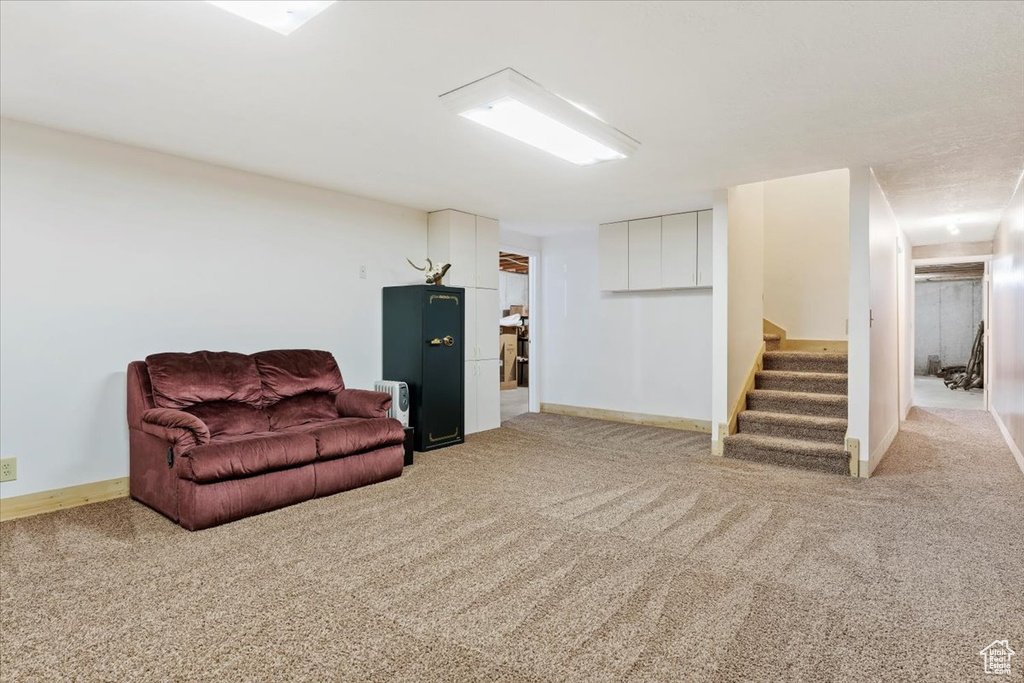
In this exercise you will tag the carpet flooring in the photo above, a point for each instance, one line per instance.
(553, 549)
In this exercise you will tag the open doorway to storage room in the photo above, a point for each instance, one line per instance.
(514, 332)
(950, 320)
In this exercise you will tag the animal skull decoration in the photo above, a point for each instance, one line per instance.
(434, 273)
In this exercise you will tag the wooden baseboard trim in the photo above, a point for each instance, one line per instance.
(61, 499)
(629, 418)
(748, 385)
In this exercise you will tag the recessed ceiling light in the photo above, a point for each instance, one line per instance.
(283, 16)
(511, 103)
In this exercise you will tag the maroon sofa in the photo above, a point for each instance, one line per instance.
(217, 436)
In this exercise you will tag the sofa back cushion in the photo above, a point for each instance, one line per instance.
(180, 380)
(229, 418)
(289, 373)
(311, 406)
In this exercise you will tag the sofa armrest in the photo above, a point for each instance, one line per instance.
(362, 403)
(184, 430)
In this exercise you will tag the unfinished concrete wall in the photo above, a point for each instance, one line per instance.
(946, 317)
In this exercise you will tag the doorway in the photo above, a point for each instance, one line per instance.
(950, 321)
(514, 292)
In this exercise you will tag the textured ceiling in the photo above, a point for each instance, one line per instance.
(930, 94)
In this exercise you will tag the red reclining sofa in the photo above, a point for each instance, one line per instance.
(217, 436)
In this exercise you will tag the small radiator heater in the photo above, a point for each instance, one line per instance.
(399, 399)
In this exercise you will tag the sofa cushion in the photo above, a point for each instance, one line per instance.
(180, 380)
(348, 435)
(227, 418)
(288, 373)
(312, 406)
(241, 456)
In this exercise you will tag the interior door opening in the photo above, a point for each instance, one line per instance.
(514, 292)
(950, 335)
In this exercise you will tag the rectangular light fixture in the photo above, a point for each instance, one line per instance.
(511, 103)
(282, 16)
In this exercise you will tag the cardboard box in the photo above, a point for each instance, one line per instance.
(508, 357)
(520, 309)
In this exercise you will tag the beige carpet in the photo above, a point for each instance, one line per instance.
(555, 549)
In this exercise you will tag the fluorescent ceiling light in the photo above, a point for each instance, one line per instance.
(283, 16)
(511, 103)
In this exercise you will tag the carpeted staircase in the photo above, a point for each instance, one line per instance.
(796, 413)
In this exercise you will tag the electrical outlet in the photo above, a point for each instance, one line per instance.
(362, 272)
(8, 469)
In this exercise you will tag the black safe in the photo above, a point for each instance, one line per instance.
(424, 334)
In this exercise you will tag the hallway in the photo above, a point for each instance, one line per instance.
(932, 392)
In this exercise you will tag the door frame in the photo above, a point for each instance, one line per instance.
(533, 282)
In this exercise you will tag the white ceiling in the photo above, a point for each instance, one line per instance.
(930, 94)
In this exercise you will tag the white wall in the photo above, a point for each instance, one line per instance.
(513, 289)
(874, 366)
(947, 314)
(746, 277)
(806, 254)
(109, 253)
(1006, 354)
(907, 328)
(645, 352)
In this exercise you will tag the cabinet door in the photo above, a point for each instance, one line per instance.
(488, 395)
(472, 348)
(470, 407)
(486, 253)
(645, 253)
(488, 334)
(679, 250)
(704, 241)
(613, 256)
(461, 250)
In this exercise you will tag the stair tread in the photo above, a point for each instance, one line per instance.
(829, 423)
(808, 355)
(797, 374)
(772, 337)
(798, 395)
(818, 449)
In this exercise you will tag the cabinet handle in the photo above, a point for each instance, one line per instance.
(435, 342)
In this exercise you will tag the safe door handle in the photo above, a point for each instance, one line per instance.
(448, 340)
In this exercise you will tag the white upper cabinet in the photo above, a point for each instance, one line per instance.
(486, 253)
(704, 241)
(469, 243)
(613, 256)
(451, 238)
(679, 250)
(664, 252)
(645, 253)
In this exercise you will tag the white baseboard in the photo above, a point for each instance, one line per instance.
(867, 467)
(1017, 455)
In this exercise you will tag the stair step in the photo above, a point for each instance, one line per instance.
(797, 403)
(809, 455)
(807, 382)
(788, 426)
(772, 342)
(805, 361)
